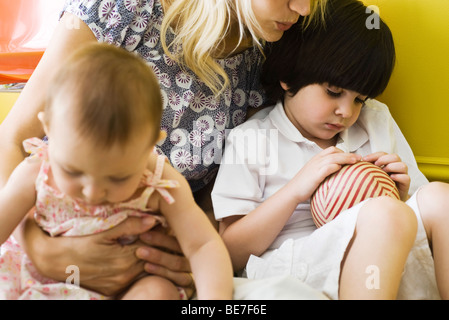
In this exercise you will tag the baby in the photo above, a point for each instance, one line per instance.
(102, 120)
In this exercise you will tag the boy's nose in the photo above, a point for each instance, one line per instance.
(344, 110)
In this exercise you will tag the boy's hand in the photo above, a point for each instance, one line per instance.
(396, 169)
(319, 167)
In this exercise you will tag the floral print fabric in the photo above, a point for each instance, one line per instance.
(194, 119)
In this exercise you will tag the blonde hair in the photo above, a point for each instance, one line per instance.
(113, 94)
(202, 25)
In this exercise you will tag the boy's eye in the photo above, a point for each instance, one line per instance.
(332, 93)
(361, 101)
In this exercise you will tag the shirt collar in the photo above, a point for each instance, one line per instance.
(349, 141)
(353, 138)
(284, 125)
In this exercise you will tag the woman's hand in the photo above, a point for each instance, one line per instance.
(396, 169)
(163, 257)
(105, 265)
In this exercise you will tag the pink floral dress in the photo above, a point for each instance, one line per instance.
(61, 215)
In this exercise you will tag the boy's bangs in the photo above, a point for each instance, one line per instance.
(367, 73)
(349, 55)
(344, 52)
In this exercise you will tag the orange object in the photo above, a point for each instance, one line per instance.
(25, 26)
(18, 67)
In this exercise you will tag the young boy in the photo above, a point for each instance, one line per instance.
(323, 81)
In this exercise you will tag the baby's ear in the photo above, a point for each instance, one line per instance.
(41, 117)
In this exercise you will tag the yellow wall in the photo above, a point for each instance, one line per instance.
(417, 93)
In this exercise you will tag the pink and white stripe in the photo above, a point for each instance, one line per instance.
(347, 187)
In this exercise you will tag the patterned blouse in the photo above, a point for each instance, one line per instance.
(195, 121)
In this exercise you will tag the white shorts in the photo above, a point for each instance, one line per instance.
(316, 259)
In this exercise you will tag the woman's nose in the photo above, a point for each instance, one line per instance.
(302, 7)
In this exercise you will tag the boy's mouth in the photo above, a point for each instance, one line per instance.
(335, 126)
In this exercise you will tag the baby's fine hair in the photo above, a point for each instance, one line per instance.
(345, 51)
(113, 93)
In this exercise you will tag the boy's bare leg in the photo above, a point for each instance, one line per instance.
(372, 268)
(433, 202)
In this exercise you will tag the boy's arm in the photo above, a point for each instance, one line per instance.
(17, 197)
(199, 241)
(253, 231)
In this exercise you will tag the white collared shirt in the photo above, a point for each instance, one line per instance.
(265, 152)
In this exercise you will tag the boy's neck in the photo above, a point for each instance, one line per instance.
(323, 144)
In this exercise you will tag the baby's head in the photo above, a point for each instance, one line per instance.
(102, 119)
(108, 93)
(353, 50)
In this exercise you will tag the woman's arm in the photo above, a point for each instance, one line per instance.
(22, 122)
(17, 197)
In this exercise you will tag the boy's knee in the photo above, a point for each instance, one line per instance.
(432, 203)
(433, 194)
(390, 216)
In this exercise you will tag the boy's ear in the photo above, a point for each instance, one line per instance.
(284, 85)
(41, 117)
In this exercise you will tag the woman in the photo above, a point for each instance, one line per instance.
(206, 87)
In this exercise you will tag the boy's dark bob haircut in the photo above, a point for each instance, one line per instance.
(348, 51)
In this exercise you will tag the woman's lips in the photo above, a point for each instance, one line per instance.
(283, 26)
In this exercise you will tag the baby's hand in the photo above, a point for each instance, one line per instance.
(396, 169)
(322, 165)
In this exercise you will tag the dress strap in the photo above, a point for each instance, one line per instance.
(161, 185)
(37, 149)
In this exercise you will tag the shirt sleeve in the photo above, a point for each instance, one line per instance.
(238, 188)
(405, 152)
(121, 22)
(385, 135)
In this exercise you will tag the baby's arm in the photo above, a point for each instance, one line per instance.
(17, 197)
(200, 242)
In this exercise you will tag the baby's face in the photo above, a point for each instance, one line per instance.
(320, 111)
(94, 174)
